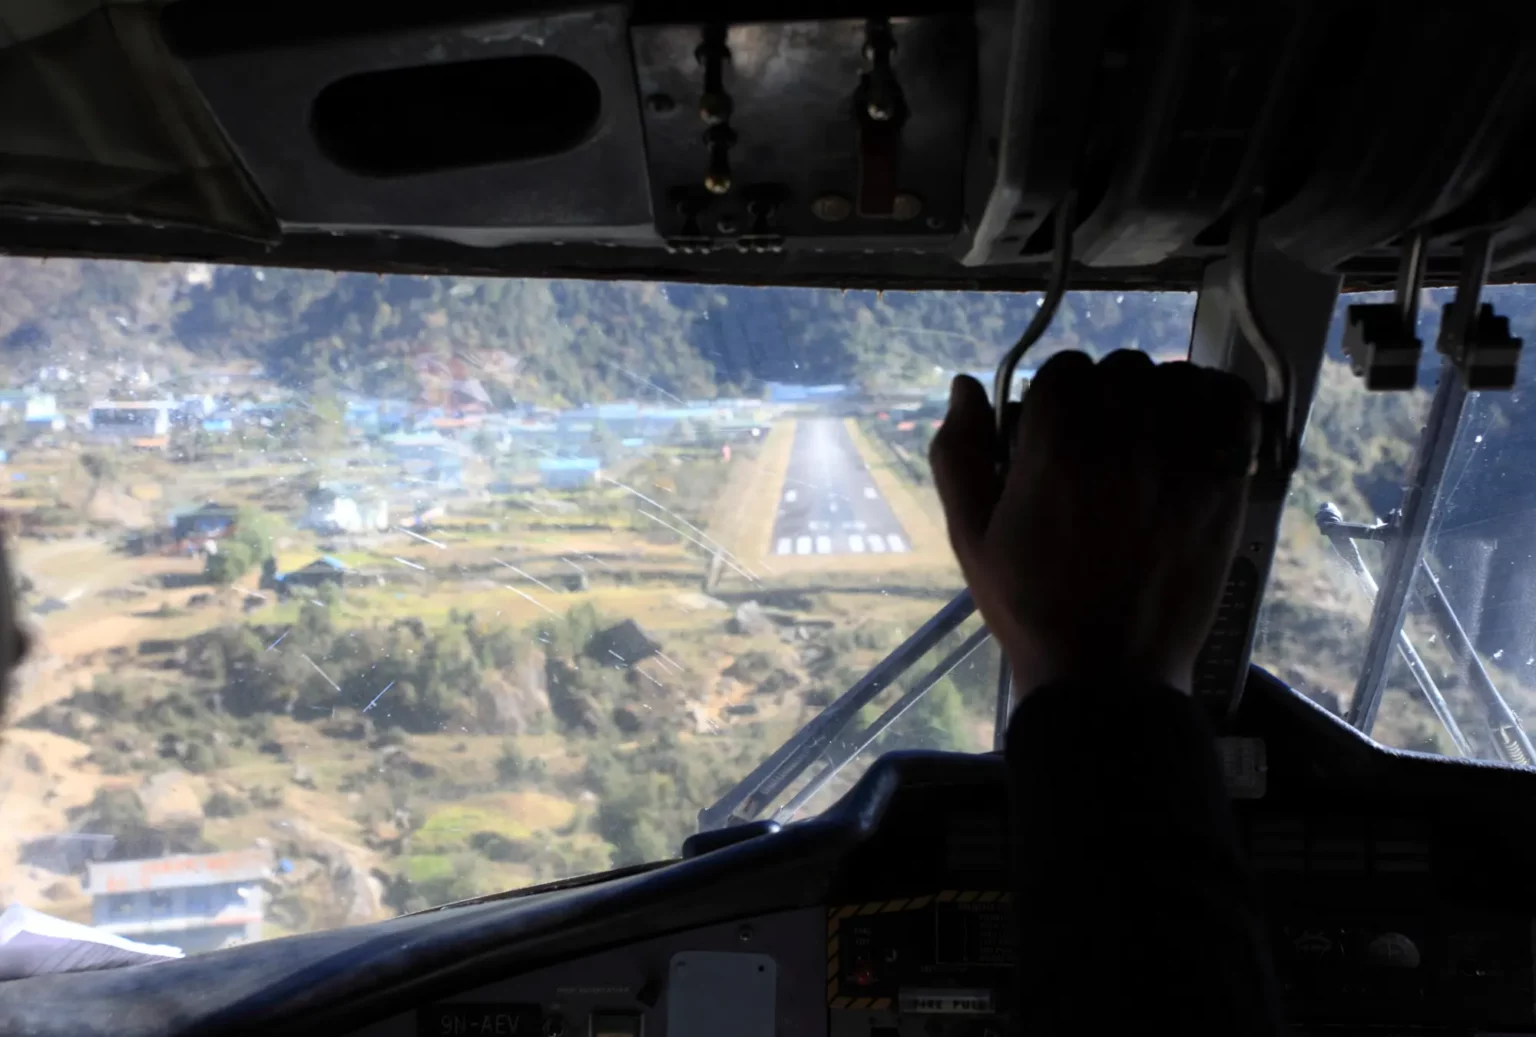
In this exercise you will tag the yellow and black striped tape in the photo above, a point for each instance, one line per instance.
(836, 915)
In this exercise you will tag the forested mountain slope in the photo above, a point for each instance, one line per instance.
(544, 341)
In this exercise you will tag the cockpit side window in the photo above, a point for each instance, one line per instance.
(1461, 678)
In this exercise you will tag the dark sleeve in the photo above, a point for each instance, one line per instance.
(1132, 903)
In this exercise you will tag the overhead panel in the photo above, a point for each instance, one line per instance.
(1398, 159)
(807, 134)
(909, 146)
(1190, 152)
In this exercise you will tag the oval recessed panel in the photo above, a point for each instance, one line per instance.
(435, 118)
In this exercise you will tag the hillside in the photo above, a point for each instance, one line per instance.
(550, 342)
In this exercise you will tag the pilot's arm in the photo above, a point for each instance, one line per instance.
(1098, 563)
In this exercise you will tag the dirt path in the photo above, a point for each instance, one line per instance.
(66, 638)
(42, 775)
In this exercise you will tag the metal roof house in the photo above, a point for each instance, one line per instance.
(429, 456)
(205, 522)
(569, 473)
(197, 902)
(127, 419)
(322, 570)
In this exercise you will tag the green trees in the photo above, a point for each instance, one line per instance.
(631, 817)
(434, 880)
(649, 797)
(416, 678)
(568, 635)
(228, 561)
(938, 720)
(511, 766)
(556, 342)
(251, 543)
(102, 468)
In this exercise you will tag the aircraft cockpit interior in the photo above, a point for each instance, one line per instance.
(464, 475)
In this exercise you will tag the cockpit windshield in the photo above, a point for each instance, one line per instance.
(356, 595)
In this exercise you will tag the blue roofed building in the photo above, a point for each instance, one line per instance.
(784, 392)
(629, 420)
(207, 522)
(429, 457)
(323, 570)
(377, 416)
(569, 473)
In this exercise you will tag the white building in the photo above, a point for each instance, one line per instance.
(340, 511)
(197, 902)
(43, 409)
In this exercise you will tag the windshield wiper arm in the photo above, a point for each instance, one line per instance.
(752, 794)
(1512, 742)
(1403, 554)
(1330, 523)
(1441, 431)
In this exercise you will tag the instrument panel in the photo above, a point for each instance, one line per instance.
(679, 985)
(1376, 921)
(932, 965)
(1384, 916)
(913, 940)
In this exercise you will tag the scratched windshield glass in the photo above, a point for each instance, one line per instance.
(355, 595)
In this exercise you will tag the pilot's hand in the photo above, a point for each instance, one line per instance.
(1104, 551)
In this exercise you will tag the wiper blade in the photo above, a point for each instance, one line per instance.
(1390, 609)
(1512, 742)
(1341, 535)
(769, 779)
(1421, 494)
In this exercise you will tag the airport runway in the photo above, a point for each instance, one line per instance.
(829, 505)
